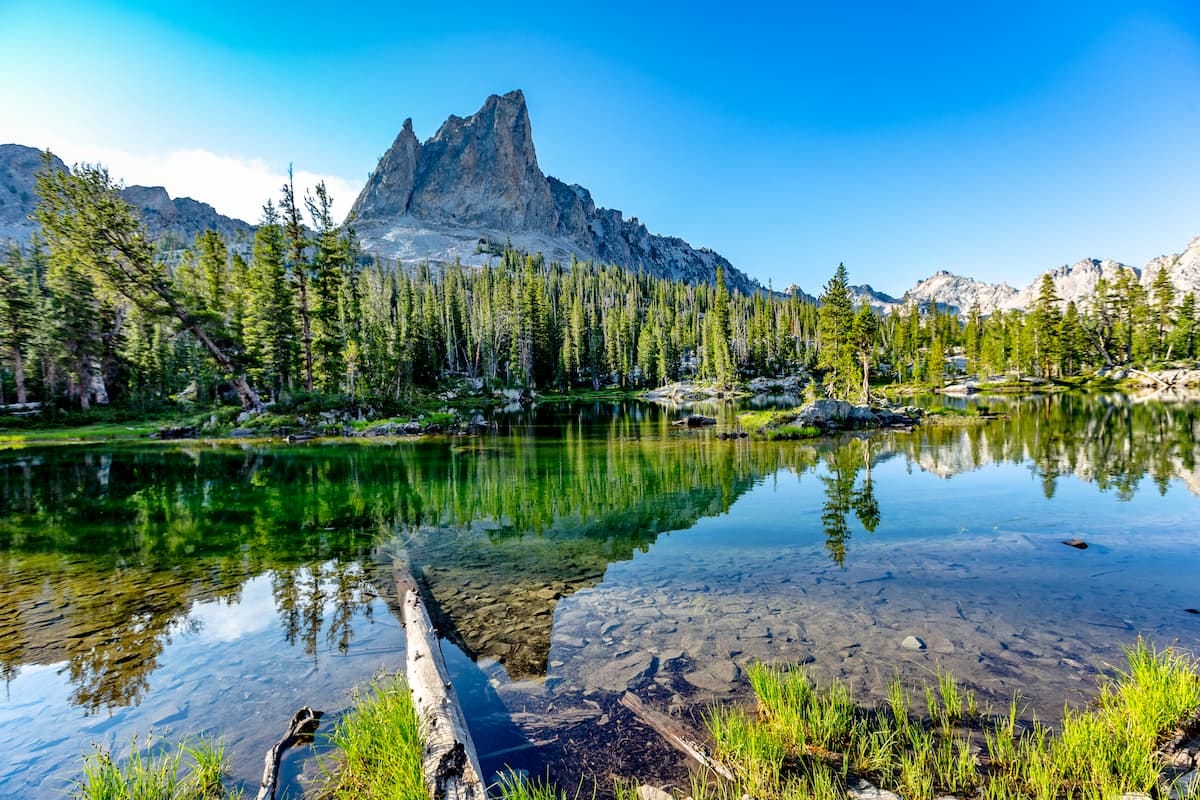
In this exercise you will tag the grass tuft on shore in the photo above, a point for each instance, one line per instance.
(379, 746)
(805, 741)
(191, 771)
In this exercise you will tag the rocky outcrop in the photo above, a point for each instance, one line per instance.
(180, 219)
(1184, 268)
(476, 184)
(1072, 283)
(956, 293)
(879, 302)
(836, 415)
(175, 219)
(19, 166)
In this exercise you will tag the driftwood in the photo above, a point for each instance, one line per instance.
(303, 725)
(675, 733)
(451, 764)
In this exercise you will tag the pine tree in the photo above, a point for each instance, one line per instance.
(298, 270)
(270, 328)
(18, 306)
(835, 322)
(1046, 319)
(862, 336)
(1162, 293)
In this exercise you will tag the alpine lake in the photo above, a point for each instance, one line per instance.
(156, 592)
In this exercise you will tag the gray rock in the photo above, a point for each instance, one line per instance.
(1185, 786)
(862, 417)
(717, 677)
(822, 413)
(866, 791)
(241, 433)
(648, 792)
(912, 643)
(623, 673)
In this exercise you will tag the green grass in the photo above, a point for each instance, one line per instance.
(379, 747)
(757, 420)
(191, 771)
(809, 741)
(786, 433)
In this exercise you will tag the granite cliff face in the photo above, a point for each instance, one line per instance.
(19, 166)
(178, 219)
(477, 179)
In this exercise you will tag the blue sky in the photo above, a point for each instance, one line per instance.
(990, 139)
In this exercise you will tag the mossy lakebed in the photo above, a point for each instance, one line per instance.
(575, 554)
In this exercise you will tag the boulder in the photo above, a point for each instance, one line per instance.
(824, 413)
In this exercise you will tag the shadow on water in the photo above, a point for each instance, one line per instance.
(107, 552)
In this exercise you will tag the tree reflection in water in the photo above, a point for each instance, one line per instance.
(104, 552)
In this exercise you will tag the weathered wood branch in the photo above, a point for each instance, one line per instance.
(675, 734)
(1153, 377)
(302, 726)
(451, 764)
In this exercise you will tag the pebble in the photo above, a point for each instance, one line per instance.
(912, 643)
(648, 792)
(1185, 786)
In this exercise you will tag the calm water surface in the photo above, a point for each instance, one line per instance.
(166, 591)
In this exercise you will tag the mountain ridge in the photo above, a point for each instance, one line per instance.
(180, 218)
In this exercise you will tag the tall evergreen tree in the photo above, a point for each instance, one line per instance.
(18, 308)
(835, 323)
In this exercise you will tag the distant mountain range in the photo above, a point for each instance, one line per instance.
(476, 185)
(1075, 282)
(179, 219)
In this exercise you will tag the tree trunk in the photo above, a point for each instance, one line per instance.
(19, 374)
(451, 765)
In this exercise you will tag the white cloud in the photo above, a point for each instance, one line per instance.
(237, 187)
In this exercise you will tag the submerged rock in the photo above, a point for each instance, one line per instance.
(1078, 544)
(912, 643)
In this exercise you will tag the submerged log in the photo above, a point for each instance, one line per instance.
(695, 421)
(674, 733)
(451, 764)
(301, 728)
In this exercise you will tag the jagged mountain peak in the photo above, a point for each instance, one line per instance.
(477, 181)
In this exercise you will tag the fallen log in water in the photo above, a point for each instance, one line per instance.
(675, 733)
(303, 725)
(451, 764)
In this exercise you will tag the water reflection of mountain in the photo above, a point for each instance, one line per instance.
(104, 553)
(1113, 441)
(492, 591)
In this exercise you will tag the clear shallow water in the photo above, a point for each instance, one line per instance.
(578, 553)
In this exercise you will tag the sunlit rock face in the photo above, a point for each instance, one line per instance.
(477, 180)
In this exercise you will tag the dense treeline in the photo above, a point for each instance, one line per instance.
(90, 311)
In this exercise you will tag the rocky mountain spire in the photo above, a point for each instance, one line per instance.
(478, 180)
(389, 189)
